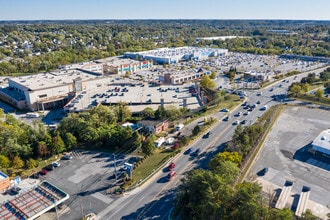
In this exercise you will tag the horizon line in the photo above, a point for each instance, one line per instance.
(125, 19)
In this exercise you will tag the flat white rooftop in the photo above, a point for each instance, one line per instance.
(53, 79)
(322, 142)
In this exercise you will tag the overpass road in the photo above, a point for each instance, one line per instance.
(154, 199)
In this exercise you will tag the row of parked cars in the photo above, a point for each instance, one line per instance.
(50, 167)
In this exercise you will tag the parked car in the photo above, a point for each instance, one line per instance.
(35, 176)
(224, 110)
(49, 167)
(15, 190)
(243, 122)
(43, 172)
(170, 140)
(226, 118)
(56, 164)
(67, 157)
(175, 145)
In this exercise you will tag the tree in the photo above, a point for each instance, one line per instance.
(196, 130)
(4, 161)
(247, 200)
(172, 112)
(224, 168)
(233, 157)
(148, 146)
(319, 93)
(70, 140)
(148, 113)
(325, 75)
(202, 195)
(43, 150)
(305, 87)
(136, 140)
(160, 112)
(58, 145)
(17, 162)
(122, 112)
(281, 214)
(31, 163)
(295, 89)
(207, 83)
(213, 74)
(308, 215)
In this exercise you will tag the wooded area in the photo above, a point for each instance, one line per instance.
(30, 47)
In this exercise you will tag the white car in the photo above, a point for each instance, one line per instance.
(67, 157)
(170, 140)
(237, 122)
(56, 164)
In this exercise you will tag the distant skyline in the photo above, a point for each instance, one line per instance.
(169, 9)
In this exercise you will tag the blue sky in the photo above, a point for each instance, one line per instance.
(164, 9)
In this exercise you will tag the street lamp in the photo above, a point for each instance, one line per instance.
(114, 160)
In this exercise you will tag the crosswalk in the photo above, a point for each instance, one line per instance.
(76, 154)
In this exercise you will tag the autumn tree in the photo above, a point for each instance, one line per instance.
(17, 162)
(4, 161)
(319, 93)
(207, 83)
(31, 163)
(295, 89)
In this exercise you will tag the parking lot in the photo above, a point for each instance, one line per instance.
(137, 97)
(286, 157)
(86, 178)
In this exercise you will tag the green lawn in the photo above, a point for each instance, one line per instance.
(150, 164)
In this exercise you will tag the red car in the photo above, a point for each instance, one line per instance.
(171, 166)
(43, 172)
(175, 146)
(171, 175)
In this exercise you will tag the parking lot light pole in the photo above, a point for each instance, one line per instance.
(114, 160)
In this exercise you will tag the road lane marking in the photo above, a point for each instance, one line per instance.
(176, 180)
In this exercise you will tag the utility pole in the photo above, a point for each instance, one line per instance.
(55, 202)
(114, 160)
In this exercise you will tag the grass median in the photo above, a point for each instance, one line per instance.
(149, 165)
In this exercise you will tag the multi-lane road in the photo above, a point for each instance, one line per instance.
(154, 199)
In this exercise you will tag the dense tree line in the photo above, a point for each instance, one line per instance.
(22, 144)
(63, 42)
(212, 194)
(244, 138)
(306, 82)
